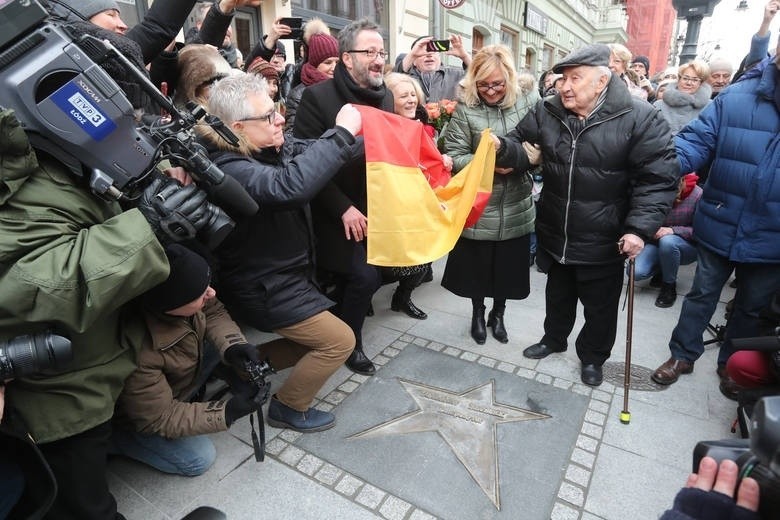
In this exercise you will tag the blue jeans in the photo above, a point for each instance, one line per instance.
(188, 456)
(669, 254)
(757, 284)
(11, 485)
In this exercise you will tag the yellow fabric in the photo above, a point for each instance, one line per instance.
(410, 223)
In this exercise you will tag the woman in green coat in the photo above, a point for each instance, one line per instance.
(491, 258)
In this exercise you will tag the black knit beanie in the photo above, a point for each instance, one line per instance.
(189, 277)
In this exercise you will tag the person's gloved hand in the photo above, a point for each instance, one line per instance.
(174, 212)
(237, 407)
(238, 355)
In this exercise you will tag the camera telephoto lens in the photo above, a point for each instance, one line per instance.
(31, 354)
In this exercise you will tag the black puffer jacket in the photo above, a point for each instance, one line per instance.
(612, 174)
(266, 264)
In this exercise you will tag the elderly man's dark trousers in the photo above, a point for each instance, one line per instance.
(598, 288)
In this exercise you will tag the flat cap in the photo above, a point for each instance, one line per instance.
(592, 55)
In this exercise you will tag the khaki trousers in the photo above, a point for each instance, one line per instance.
(315, 347)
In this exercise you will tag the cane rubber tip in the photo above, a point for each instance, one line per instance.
(625, 417)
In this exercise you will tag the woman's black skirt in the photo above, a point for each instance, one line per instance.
(484, 268)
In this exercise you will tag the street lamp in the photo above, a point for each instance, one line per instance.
(693, 11)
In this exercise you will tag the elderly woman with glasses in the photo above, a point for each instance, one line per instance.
(266, 264)
(491, 258)
(683, 100)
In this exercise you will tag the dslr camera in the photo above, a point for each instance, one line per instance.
(72, 109)
(757, 457)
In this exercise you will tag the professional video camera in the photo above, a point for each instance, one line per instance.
(72, 109)
(257, 372)
(757, 457)
(32, 354)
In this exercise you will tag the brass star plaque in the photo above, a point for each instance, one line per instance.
(467, 423)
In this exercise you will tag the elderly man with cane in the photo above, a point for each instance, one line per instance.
(610, 176)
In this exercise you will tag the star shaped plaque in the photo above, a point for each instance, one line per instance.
(467, 423)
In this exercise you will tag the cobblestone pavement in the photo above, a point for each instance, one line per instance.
(602, 470)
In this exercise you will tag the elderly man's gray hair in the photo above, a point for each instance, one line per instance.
(228, 96)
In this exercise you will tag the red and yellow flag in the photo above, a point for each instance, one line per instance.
(416, 212)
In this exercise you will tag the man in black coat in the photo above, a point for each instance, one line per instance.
(610, 176)
(339, 210)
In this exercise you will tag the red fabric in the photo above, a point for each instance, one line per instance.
(409, 146)
(690, 183)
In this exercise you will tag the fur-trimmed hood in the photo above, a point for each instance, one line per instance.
(214, 141)
(675, 98)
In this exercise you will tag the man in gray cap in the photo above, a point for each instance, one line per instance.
(610, 176)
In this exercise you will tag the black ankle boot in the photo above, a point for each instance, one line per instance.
(359, 363)
(478, 330)
(402, 301)
(496, 323)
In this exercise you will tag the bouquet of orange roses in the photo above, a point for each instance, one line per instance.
(440, 112)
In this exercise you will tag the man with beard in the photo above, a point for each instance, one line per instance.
(437, 81)
(339, 210)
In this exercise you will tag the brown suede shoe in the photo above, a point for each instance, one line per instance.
(670, 371)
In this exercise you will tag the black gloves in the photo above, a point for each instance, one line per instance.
(174, 212)
(237, 356)
(237, 407)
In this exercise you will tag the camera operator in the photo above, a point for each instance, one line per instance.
(710, 494)
(188, 330)
(73, 260)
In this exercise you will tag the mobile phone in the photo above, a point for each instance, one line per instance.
(296, 24)
(437, 46)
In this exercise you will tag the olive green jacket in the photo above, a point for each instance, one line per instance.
(510, 209)
(70, 262)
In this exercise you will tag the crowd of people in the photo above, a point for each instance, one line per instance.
(621, 154)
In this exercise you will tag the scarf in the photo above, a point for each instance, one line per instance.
(351, 92)
(311, 75)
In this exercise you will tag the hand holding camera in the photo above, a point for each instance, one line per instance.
(174, 212)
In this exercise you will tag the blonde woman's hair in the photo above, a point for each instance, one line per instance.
(486, 61)
(393, 79)
(622, 52)
(700, 68)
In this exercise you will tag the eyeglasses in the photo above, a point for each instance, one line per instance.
(270, 117)
(689, 79)
(498, 86)
(371, 54)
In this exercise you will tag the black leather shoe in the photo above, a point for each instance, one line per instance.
(359, 363)
(591, 375)
(406, 306)
(496, 323)
(539, 351)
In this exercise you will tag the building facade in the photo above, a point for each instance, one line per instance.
(651, 26)
(539, 32)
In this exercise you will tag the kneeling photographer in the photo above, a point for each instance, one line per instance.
(188, 331)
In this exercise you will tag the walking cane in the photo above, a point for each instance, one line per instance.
(625, 415)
